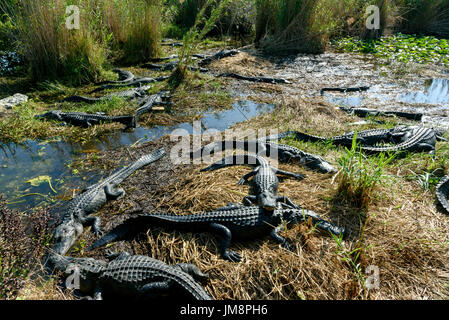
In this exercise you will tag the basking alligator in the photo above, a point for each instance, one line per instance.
(171, 66)
(124, 76)
(281, 152)
(86, 119)
(217, 56)
(265, 182)
(128, 94)
(411, 139)
(136, 277)
(443, 192)
(344, 90)
(234, 220)
(254, 79)
(135, 82)
(90, 200)
(365, 112)
(150, 102)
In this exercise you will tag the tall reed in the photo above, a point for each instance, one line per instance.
(50, 48)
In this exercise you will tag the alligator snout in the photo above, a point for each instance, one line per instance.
(267, 201)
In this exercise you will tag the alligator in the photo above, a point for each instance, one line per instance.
(77, 213)
(443, 192)
(135, 82)
(173, 44)
(128, 94)
(411, 139)
(124, 76)
(255, 79)
(281, 152)
(86, 119)
(233, 220)
(365, 112)
(171, 66)
(344, 90)
(173, 56)
(132, 276)
(150, 102)
(264, 183)
(217, 56)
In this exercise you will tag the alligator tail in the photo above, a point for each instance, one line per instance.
(127, 229)
(443, 192)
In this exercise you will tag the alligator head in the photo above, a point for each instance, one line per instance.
(53, 114)
(266, 195)
(65, 236)
(319, 164)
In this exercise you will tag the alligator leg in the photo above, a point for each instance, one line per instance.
(156, 289)
(192, 270)
(297, 176)
(287, 202)
(225, 235)
(94, 222)
(244, 179)
(275, 235)
(249, 200)
(113, 194)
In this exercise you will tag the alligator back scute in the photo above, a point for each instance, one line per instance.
(128, 275)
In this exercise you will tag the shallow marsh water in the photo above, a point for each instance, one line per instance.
(50, 160)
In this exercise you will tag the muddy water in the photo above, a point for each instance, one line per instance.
(425, 92)
(50, 160)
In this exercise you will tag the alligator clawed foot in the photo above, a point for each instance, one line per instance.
(300, 176)
(242, 182)
(232, 256)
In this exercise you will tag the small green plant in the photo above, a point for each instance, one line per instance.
(359, 175)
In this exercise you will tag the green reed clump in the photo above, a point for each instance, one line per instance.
(52, 50)
(359, 176)
(135, 28)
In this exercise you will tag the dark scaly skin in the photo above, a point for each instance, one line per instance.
(86, 119)
(344, 90)
(128, 94)
(255, 79)
(281, 152)
(124, 76)
(150, 102)
(365, 112)
(135, 277)
(265, 183)
(442, 191)
(217, 56)
(91, 200)
(407, 139)
(134, 82)
(233, 221)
